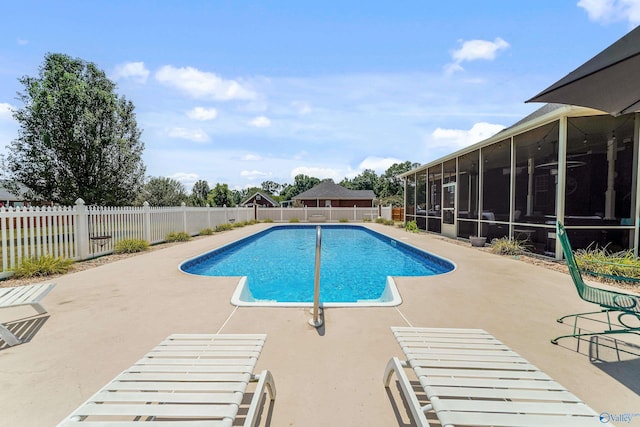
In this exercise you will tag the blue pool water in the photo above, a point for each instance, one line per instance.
(279, 264)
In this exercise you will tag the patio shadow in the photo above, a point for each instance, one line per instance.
(25, 329)
(618, 358)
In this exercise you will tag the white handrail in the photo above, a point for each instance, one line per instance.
(316, 321)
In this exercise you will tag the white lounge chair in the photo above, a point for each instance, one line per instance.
(187, 380)
(22, 295)
(471, 378)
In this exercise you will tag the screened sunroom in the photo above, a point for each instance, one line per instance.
(565, 163)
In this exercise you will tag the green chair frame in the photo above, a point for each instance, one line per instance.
(611, 302)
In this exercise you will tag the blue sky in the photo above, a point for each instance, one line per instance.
(241, 92)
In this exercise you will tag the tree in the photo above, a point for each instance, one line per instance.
(221, 196)
(271, 187)
(390, 184)
(77, 137)
(367, 180)
(199, 193)
(162, 191)
(301, 183)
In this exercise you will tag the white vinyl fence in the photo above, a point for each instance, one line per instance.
(307, 214)
(83, 232)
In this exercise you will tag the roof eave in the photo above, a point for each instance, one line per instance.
(566, 110)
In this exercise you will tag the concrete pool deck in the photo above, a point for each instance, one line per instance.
(101, 320)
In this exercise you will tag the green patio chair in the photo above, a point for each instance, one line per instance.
(611, 302)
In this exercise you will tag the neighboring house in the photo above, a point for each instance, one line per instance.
(328, 194)
(8, 198)
(260, 199)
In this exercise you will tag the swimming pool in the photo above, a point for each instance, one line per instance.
(277, 266)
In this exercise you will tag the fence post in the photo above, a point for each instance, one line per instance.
(184, 217)
(355, 213)
(81, 231)
(147, 221)
(208, 216)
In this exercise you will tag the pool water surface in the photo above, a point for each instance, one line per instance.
(277, 265)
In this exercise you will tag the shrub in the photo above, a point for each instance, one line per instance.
(294, 220)
(206, 232)
(617, 266)
(381, 220)
(343, 220)
(508, 246)
(412, 227)
(223, 227)
(44, 266)
(388, 222)
(366, 219)
(239, 224)
(267, 220)
(129, 246)
(253, 221)
(179, 236)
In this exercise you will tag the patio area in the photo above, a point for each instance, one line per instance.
(100, 321)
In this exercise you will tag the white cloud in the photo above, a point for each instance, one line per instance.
(260, 122)
(202, 84)
(186, 178)
(378, 164)
(607, 11)
(251, 157)
(135, 71)
(459, 138)
(6, 110)
(301, 107)
(317, 172)
(197, 135)
(253, 174)
(473, 50)
(201, 113)
(22, 42)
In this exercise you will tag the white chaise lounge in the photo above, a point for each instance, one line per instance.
(187, 380)
(22, 295)
(471, 378)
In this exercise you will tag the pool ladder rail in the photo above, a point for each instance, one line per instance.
(316, 320)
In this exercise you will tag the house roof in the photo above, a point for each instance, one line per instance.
(330, 190)
(6, 195)
(264, 195)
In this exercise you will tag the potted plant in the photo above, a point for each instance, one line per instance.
(477, 241)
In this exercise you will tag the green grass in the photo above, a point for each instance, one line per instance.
(129, 246)
(617, 266)
(508, 246)
(44, 266)
(180, 236)
(223, 227)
